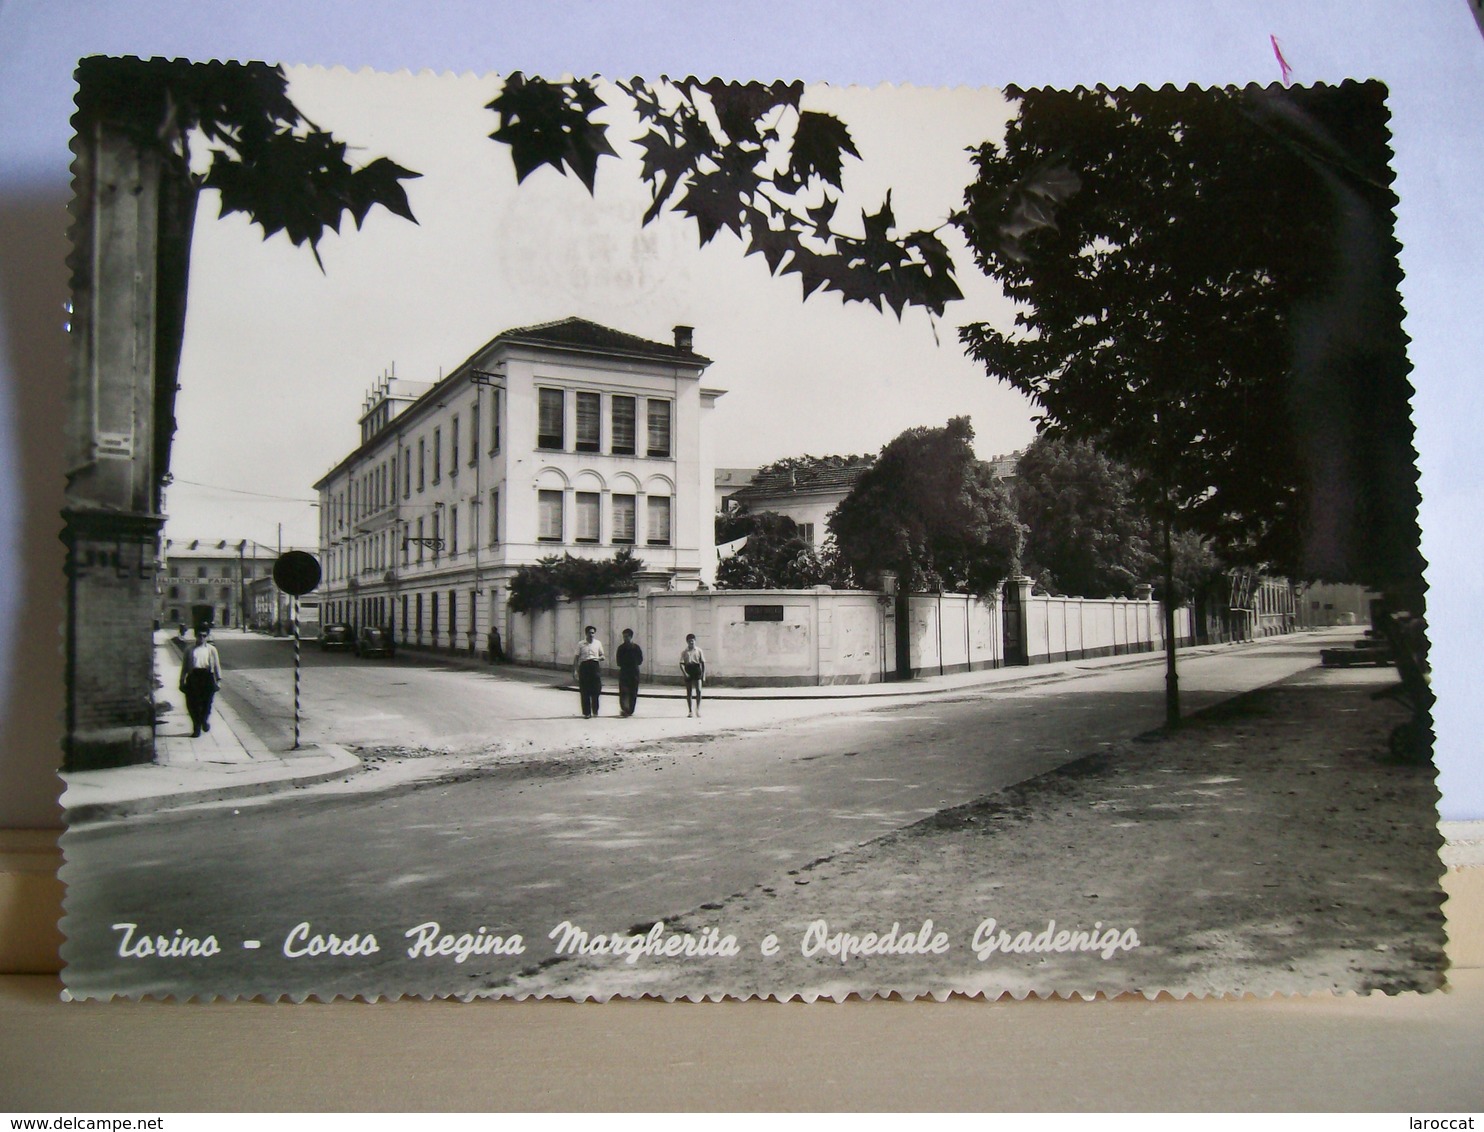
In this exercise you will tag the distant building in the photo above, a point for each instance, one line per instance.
(805, 489)
(204, 582)
(1323, 604)
(563, 438)
(730, 480)
(270, 610)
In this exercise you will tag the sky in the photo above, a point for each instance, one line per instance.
(278, 355)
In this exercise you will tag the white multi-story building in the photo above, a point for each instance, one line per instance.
(567, 437)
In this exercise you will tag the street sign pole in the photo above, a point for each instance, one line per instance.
(295, 616)
(296, 573)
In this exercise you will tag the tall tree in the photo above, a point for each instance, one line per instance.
(1086, 533)
(1207, 292)
(932, 512)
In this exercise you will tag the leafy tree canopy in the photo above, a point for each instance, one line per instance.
(555, 577)
(930, 510)
(1086, 533)
(1207, 291)
(744, 158)
(266, 159)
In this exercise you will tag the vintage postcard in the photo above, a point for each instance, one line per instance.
(694, 538)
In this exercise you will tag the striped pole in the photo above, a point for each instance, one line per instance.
(295, 617)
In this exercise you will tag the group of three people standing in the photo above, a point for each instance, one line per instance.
(587, 670)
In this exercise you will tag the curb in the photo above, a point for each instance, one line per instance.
(85, 812)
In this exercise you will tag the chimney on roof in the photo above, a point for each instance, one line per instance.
(684, 338)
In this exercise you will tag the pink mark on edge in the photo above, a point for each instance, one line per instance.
(1282, 62)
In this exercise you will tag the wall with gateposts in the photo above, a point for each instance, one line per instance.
(755, 638)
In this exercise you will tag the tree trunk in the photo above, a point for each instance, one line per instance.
(1172, 678)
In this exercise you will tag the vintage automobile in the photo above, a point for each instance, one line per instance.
(373, 640)
(337, 637)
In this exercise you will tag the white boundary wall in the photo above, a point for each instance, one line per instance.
(755, 638)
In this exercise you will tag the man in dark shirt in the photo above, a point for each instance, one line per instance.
(630, 657)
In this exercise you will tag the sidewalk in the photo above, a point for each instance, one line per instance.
(230, 761)
(927, 683)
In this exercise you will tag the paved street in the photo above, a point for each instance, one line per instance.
(536, 816)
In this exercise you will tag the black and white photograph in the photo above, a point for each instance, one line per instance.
(591, 538)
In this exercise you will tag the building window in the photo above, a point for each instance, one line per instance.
(453, 616)
(588, 509)
(659, 428)
(589, 422)
(422, 461)
(623, 518)
(494, 516)
(495, 420)
(806, 532)
(549, 516)
(453, 530)
(435, 615)
(550, 431)
(419, 608)
(437, 536)
(406, 476)
(453, 447)
(622, 433)
(658, 528)
(474, 434)
(420, 544)
(437, 455)
(175, 594)
(200, 571)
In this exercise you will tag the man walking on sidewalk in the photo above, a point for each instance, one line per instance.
(200, 677)
(630, 658)
(587, 670)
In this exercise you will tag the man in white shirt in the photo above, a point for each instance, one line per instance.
(587, 670)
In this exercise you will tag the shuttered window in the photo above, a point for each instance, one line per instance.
(549, 516)
(623, 518)
(587, 516)
(623, 426)
(550, 431)
(589, 422)
(658, 529)
(659, 428)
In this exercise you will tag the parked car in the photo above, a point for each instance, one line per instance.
(373, 640)
(336, 636)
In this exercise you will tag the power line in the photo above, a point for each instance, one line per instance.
(243, 491)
